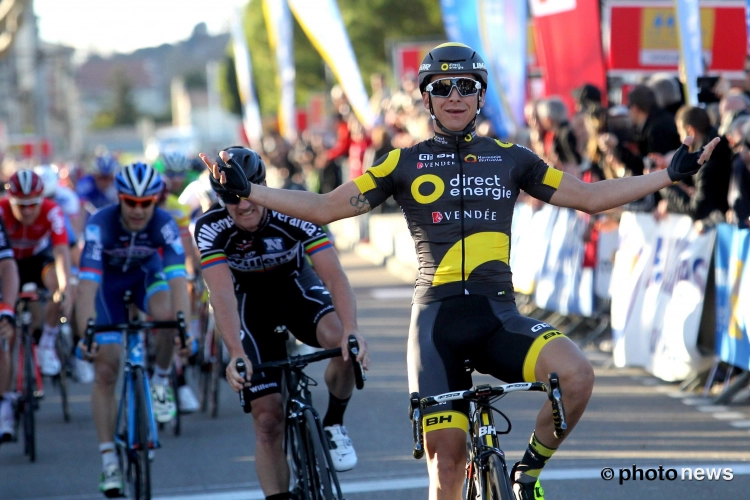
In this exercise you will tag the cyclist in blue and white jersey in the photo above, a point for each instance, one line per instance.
(98, 189)
(130, 246)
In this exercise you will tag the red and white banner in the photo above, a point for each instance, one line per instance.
(642, 36)
(569, 45)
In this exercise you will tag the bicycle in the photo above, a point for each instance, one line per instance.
(210, 359)
(136, 434)
(487, 476)
(305, 443)
(29, 379)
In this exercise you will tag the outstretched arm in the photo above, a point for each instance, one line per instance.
(344, 201)
(599, 196)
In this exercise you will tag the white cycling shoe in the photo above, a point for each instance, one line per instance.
(342, 452)
(49, 363)
(188, 401)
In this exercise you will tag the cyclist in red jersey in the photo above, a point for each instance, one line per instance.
(37, 234)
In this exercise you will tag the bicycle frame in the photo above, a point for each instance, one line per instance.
(482, 438)
(134, 361)
(298, 409)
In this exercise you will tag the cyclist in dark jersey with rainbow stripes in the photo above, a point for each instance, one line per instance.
(255, 264)
(457, 193)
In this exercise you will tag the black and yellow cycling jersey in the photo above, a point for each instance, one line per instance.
(457, 195)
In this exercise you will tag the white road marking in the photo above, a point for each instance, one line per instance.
(422, 482)
(393, 293)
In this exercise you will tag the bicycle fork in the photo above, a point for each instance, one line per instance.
(128, 404)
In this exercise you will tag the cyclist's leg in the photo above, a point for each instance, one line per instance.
(317, 324)
(261, 345)
(525, 349)
(154, 297)
(435, 359)
(270, 461)
(7, 395)
(106, 370)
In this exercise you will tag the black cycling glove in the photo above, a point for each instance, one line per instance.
(237, 183)
(684, 165)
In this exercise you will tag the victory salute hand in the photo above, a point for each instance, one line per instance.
(229, 174)
(685, 164)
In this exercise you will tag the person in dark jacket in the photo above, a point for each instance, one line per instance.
(707, 201)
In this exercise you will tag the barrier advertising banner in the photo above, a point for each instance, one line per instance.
(530, 247)
(279, 25)
(658, 287)
(563, 284)
(641, 36)
(322, 23)
(732, 296)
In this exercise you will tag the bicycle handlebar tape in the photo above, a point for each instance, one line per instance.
(359, 374)
(89, 334)
(237, 183)
(245, 391)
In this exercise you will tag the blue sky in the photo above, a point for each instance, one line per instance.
(106, 26)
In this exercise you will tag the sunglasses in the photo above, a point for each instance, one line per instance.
(27, 202)
(133, 202)
(444, 86)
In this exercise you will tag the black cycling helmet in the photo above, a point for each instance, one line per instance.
(451, 59)
(248, 161)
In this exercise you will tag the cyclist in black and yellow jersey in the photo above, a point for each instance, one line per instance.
(457, 193)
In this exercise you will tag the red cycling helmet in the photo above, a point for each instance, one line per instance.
(25, 184)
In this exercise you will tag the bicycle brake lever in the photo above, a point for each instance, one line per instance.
(245, 391)
(558, 410)
(359, 374)
(416, 421)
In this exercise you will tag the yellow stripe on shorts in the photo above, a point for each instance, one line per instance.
(529, 364)
(445, 420)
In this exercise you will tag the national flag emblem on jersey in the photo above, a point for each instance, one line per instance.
(436, 217)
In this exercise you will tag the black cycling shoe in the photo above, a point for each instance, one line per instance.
(525, 491)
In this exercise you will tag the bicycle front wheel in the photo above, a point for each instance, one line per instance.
(140, 463)
(495, 481)
(321, 468)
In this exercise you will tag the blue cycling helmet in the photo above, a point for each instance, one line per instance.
(106, 165)
(139, 180)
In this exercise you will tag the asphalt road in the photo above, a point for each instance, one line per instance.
(632, 419)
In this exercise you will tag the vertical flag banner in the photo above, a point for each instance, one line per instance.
(244, 69)
(503, 28)
(279, 25)
(569, 45)
(691, 48)
(462, 25)
(322, 23)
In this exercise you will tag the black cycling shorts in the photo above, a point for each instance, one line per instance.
(298, 303)
(32, 269)
(490, 335)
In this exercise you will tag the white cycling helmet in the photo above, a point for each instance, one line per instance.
(50, 178)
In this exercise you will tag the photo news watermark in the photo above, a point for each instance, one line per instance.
(636, 473)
